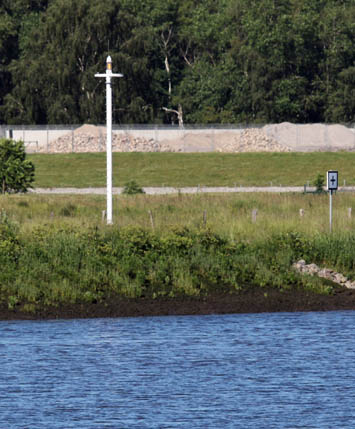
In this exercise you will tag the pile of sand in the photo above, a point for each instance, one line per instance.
(312, 137)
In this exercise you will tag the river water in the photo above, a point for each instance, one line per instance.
(281, 370)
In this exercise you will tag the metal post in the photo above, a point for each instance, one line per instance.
(332, 185)
(330, 210)
(108, 75)
(109, 148)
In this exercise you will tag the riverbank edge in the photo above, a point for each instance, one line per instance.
(252, 300)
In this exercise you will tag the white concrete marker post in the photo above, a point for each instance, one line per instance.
(108, 75)
(332, 185)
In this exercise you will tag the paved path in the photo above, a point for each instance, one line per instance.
(171, 190)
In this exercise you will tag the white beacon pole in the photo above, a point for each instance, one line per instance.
(108, 75)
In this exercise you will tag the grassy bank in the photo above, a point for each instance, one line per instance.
(229, 215)
(191, 169)
(56, 251)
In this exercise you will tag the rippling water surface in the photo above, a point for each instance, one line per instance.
(285, 370)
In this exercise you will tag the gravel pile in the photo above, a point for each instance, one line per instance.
(75, 142)
(90, 138)
(284, 137)
(251, 140)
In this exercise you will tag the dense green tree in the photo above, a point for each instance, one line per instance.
(16, 172)
(8, 48)
(17, 17)
(194, 61)
(337, 33)
(54, 75)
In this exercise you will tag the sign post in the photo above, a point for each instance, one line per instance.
(332, 185)
(108, 75)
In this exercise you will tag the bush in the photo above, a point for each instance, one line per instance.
(319, 184)
(16, 173)
(52, 265)
(132, 188)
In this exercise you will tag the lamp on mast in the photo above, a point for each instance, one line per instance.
(108, 75)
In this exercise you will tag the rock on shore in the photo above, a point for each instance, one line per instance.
(326, 273)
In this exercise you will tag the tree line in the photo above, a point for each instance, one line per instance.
(192, 61)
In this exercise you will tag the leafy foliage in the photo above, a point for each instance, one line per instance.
(16, 172)
(319, 184)
(58, 265)
(221, 61)
(132, 188)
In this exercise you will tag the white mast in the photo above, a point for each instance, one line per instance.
(108, 75)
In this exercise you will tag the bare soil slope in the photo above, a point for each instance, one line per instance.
(252, 300)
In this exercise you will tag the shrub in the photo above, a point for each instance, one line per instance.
(9, 244)
(132, 188)
(52, 265)
(16, 173)
(319, 184)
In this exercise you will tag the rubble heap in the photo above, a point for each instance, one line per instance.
(89, 138)
(251, 140)
(284, 137)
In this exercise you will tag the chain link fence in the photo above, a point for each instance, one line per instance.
(191, 138)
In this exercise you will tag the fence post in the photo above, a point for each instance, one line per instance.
(156, 133)
(326, 135)
(151, 219)
(254, 215)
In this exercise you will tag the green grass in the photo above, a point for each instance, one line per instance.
(191, 169)
(56, 249)
(226, 214)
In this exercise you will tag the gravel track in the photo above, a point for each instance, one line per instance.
(186, 190)
(171, 190)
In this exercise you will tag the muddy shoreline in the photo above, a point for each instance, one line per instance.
(253, 300)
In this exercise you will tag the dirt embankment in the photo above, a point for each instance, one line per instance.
(253, 300)
(284, 137)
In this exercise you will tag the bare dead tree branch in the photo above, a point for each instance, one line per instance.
(178, 112)
(184, 53)
(166, 50)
